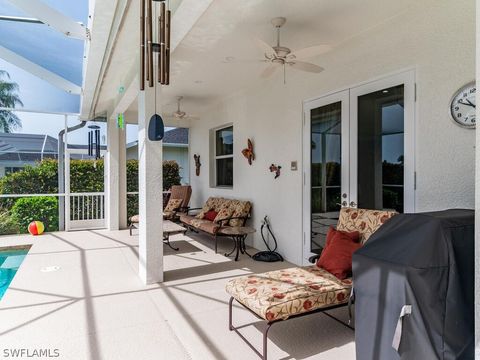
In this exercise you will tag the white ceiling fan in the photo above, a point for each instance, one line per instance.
(280, 56)
(179, 114)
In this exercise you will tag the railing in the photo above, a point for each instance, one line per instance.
(87, 210)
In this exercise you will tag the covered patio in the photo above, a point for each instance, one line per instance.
(345, 105)
(79, 292)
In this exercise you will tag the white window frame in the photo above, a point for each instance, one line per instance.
(219, 157)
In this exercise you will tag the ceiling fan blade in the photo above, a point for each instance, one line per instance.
(267, 49)
(309, 52)
(244, 61)
(304, 66)
(269, 71)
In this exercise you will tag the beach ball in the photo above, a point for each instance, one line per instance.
(36, 228)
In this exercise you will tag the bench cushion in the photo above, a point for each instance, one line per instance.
(135, 219)
(366, 222)
(240, 209)
(201, 224)
(277, 295)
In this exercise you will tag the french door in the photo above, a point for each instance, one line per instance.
(358, 152)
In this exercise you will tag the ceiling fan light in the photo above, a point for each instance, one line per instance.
(180, 114)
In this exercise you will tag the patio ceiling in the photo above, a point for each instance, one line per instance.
(53, 52)
(227, 29)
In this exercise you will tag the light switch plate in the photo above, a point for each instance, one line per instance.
(293, 166)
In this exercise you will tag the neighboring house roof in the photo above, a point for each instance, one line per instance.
(29, 143)
(177, 136)
(29, 147)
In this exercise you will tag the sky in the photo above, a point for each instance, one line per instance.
(51, 50)
(58, 54)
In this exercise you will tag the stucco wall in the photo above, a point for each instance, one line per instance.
(179, 154)
(436, 38)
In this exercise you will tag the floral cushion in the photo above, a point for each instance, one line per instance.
(135, 219)
(187, 219)
(169, 215)
(213, 203)
(366, 222)
(224, 213)
(240, 209)
(173, 204)
(208, 226)
(277, 295)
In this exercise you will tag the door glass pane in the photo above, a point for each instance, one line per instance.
(380, 149)
(325, 170)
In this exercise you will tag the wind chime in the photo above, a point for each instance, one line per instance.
(94, 141)
(148, 47)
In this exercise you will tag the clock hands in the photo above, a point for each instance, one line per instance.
(468, 103)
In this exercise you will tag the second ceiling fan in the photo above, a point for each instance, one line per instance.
(180, 114)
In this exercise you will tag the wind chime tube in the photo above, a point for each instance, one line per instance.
(161, 41)
(167, 46)
(149, 44)
(97, 144)
(161, 54)
(90, 143)
(142, 44)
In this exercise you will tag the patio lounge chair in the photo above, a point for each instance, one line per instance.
(284, 294)
(181, 192)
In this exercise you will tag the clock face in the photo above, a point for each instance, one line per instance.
(462, 107)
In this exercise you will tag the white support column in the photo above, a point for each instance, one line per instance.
(112, 188)
(150, 189)
(477, 196)
(122, 172)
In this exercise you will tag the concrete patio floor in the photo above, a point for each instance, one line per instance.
(95, 307)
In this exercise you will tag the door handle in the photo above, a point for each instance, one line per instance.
(353, 204)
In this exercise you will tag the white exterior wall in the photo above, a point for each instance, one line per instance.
(437, 40)
(177, 153)
(477, 201)
(180, 155)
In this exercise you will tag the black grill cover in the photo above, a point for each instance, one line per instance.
(424, 260)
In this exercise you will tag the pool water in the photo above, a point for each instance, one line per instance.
(10, 261)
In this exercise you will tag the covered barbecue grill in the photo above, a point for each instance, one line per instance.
(414, 288)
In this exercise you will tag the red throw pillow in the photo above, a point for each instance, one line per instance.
(332, 232)
(210, 215)
(336, 257)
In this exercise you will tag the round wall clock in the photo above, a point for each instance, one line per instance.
(462, 106)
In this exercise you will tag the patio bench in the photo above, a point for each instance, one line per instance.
(217, 213)
(284, 294)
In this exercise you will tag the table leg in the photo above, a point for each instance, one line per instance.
(238, 242)
(244, 247)
(166, 240)
(234, 248)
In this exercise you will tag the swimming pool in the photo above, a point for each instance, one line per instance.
(10, 260)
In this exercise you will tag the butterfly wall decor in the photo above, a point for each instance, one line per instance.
(248, 152)
(276, 169)
(197, 164)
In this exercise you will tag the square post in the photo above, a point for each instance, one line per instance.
(112, 184)
(477, 196)
(122, 173)
(150, 189)
(150, 179)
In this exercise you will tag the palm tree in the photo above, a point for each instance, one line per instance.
(8, 99)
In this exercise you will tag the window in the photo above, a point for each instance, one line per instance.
(224, 156)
